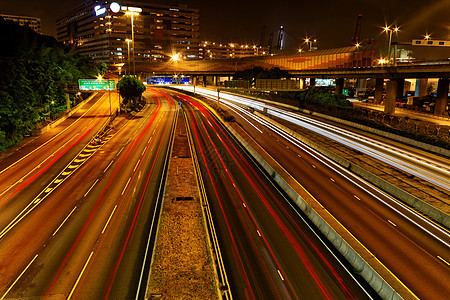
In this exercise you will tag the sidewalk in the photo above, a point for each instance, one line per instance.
(403, 112)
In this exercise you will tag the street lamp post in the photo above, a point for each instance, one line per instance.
(128, 43)
(132, 14)
(390, 31)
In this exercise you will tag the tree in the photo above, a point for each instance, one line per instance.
(131, 89)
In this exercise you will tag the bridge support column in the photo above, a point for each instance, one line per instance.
(302, 83)
(378, 90)
(400, 89)
(442, 97)
(362, 86)
(204, 80)
(339, 85)
(421, 87)
(312, 82)
(391, 97)
(215, 80)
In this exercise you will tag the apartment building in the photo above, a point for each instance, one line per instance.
(31, 22)
(127, 31)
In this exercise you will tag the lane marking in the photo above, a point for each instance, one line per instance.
(332, 179)
(109, 219)
(48, 190)
(137, 164)
(244, 204)
(64, 221)
(12, 285)
(120, 151)
(108, 166)
(357, 197)
(281, 276)
(144, 150)
(79, 277)
(126, 185)
(299, 155)
(313, 166)
(448, 264)
(90, 188)
(259, 233)
(392, 223)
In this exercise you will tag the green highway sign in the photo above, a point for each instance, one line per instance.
(96, 84)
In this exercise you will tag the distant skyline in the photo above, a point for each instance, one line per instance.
(331, 22)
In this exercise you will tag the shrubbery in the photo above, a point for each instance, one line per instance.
(35, 70)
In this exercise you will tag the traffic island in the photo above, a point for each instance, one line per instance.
(182, 266)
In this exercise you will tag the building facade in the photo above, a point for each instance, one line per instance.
(131, 31)
(31, 22)
(214, 50)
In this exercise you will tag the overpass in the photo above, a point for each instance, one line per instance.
(339, 64)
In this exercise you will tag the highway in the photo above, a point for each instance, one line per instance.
(411, 247)
(270, 252)
(49, 152)
(87, 238)
(429, 167)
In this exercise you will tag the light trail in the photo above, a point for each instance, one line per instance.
(425, 168)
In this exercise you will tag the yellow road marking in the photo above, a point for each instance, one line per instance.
(64, 221)
(91, 188)
(109, 219)
(79, 277)
(126, 185)
(448, 264)
(392, 223)
(12, 285)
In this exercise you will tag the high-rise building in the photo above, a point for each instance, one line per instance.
(215, 50)
(105, 30)
(31, 22)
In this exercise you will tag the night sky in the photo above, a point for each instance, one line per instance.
(331, 22)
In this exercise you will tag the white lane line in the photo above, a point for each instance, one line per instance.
(64, 221)
(79, 277)
(108, 166)
(109, 219)
(126, 185)
(90, 188)
(12, 285)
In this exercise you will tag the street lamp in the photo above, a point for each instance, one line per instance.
(308, 43)
(388, 30)
(176, 57)
(132, 14)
